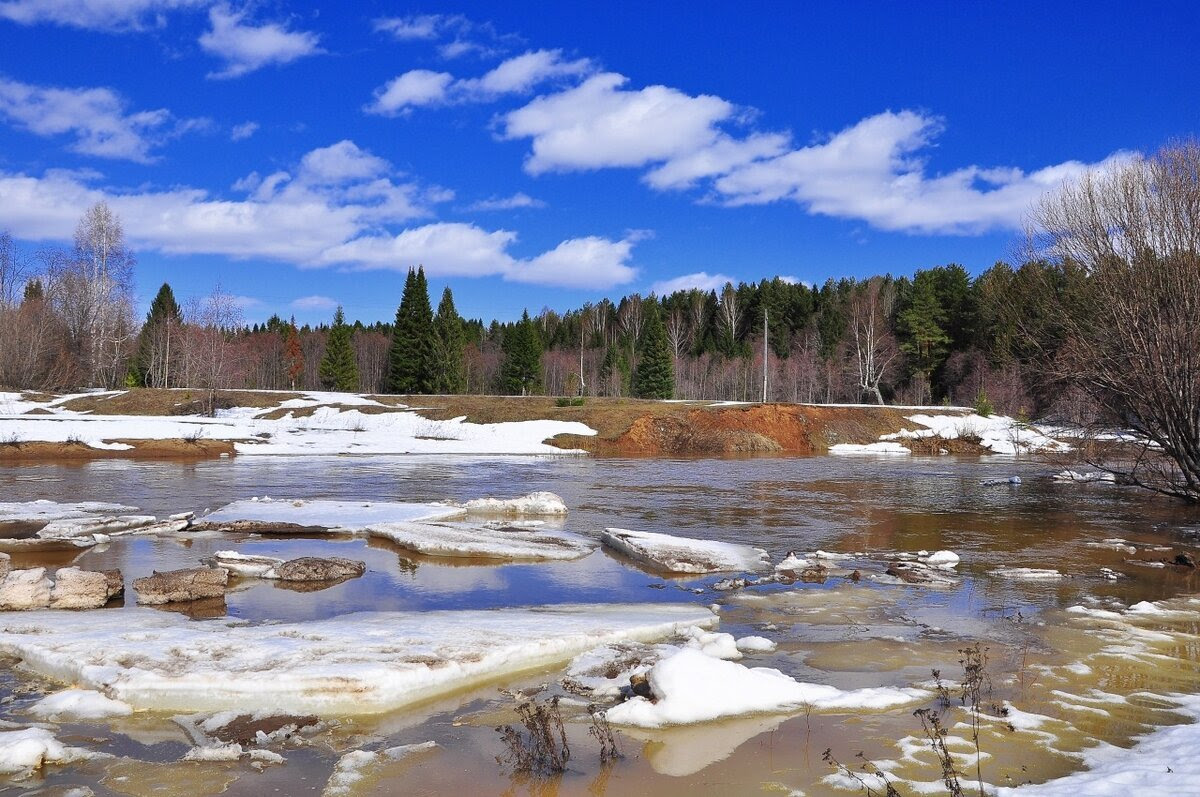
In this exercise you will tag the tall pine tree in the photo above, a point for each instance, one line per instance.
(521, 373)
(451, 370)
(654, 377)
(338, 369)
(412, 359)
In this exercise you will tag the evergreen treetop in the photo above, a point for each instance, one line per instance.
(339, 369)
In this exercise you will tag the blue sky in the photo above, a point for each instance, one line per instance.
(533, 154)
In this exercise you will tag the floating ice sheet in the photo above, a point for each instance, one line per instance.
(684, 554)
(353, 664)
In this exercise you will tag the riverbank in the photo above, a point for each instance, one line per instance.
(172, 424)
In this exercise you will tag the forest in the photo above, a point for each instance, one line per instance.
(941, 336)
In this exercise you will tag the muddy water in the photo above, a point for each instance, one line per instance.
(1044, 659)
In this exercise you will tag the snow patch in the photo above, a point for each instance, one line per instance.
(78, 704)
(889, 449)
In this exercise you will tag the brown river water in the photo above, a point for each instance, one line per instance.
(1094, 677)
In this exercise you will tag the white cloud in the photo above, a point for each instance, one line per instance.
(106, 15)
(590, 262)
(873, 171)
(95, 116)
(246, 302)
(246, 47)
(598, 124)
(333, 208)
(314, 303)
(456, 249)
(414, 88)
(243, 131)
(417, 26)
(514, 202)
(517, 75)
(341, 162)
(701, 280)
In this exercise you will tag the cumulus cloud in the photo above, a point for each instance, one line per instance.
(701, 280)
(600, 124)
(97, 117)
(456, 249)
(105, 15)
(414, 88)
(517, 75)
(243, 131)
(334, 208)
(246, 47)
(872, 171)
(515, 202)
(314, 303)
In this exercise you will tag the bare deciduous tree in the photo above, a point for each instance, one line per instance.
(213, 321)
(1124, 249)
(875, 346)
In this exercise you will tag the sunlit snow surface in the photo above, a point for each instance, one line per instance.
(334, 426)
(361, 663)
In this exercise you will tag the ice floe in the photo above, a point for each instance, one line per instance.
(673, 554)
(869, 448)
(353, 664)
(343, 516)
(489, 541)
(24, 752)
(356, 766)
(37, 524)
(1085, 476)
(1026, 573)
(692, 687)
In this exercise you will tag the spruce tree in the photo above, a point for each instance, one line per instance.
(412, 359)
(521, 373)
(293, 354)
(451, 371)
(655, 374)
(338, 369)
(154, 341)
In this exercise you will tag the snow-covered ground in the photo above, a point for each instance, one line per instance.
(334, 426)
(999, 433)
(354, 664)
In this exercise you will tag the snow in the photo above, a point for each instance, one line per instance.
(869, 448)
(684, 554)
(692, 688)
(1088, 476)
(1162, 762)
(354, 664)
(794, 562)
(78, 704)
(539, 503)
(756, 644)
(942, 559)
(333, 426)
(248, 566)
(355, 766)
(484, 541)
(25, 751)
(999, 433)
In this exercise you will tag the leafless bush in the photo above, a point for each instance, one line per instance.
(601, 731)
(539, 747)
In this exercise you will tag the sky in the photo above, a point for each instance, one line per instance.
(305, 155)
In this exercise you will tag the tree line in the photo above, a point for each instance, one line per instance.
(939, 336)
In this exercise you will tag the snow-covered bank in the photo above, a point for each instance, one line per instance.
(330, 423)
(354, 664)
(684, 554)
(1161, 762)
(998, 433)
